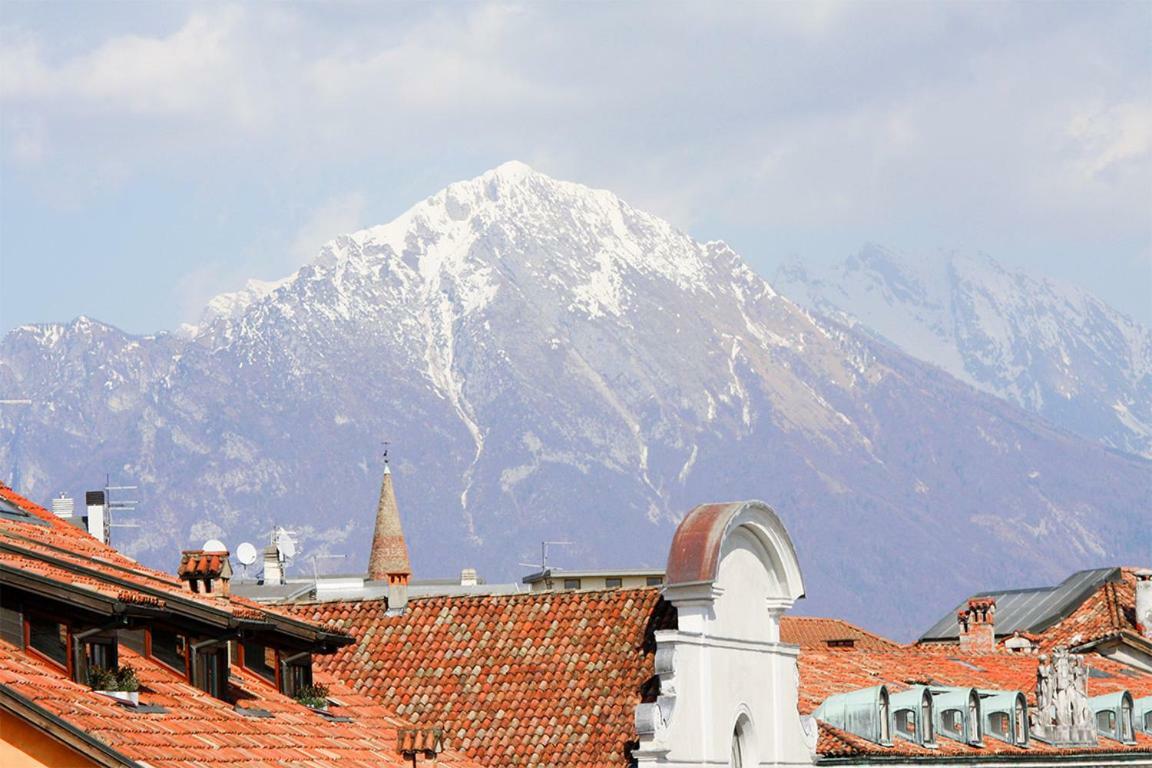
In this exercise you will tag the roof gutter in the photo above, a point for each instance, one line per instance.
(62, 731)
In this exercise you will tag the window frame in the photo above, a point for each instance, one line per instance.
(182, 640)
(33, 615)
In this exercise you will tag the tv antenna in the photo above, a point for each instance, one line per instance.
(543, 564)
(119, 505)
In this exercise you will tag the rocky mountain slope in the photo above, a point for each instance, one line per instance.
(550, 363)
(1054, 350)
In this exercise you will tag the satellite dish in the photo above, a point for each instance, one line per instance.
(214, 545)
(285, 544)
(246, 554)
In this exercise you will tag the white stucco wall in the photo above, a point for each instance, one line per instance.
(724, 663)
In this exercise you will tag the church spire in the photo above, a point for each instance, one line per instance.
(388, 560)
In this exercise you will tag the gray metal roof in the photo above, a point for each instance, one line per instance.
(1030, 610)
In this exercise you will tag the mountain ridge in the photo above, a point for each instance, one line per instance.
(549, 362)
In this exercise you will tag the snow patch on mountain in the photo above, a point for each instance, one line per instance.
(1053, 349)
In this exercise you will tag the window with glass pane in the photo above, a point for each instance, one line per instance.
(212, 671)
(1106, 721)
(1000, 725)
(1125, 720)
(169, 648)
(906, 723)
(654, 581)
(297, 674)
(571, 583)
(49, 638)
(260, 659)
(132, 639)
(613, 583)
(952, 722)
(1021, 723)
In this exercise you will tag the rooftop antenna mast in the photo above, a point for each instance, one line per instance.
(120, 505)
(543, 564)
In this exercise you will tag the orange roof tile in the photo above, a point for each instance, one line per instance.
(1109, 610)
(193, 728)
(812, 633)
(64, 553)
(199, 730)
(516, 681)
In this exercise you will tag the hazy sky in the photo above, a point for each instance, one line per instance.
(152, 155)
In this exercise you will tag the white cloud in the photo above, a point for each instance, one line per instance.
(882, 121)
(338, 216)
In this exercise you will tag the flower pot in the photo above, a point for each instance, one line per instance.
(131, 697)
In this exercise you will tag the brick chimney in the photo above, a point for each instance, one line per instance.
(978, 625)
(1144, 603)
(205, 572)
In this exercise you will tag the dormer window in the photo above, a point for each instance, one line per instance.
(913, 718)
(866, 713)
(48, 638)
(1114, 716)
(959, 714)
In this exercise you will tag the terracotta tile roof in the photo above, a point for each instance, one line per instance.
(812, 633)
(831, 671)
(1110, 610)
(540, 679)
(199, 730)
(64, 553)
(257, 726)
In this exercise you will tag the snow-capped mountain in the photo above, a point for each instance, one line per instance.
(550, 363)
(1052, 349)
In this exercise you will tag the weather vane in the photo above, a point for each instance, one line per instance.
(385, 443)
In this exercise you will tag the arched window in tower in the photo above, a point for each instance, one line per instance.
(741, 737)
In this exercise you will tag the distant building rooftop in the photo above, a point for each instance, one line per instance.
(1031, 610)
(556, 580)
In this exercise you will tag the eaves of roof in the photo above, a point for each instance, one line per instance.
(61, 730)
(175, 604)
(1121, 637)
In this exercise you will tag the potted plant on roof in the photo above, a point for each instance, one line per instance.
(120, 683)
(314, 696)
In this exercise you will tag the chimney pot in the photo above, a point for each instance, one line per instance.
(978, 625)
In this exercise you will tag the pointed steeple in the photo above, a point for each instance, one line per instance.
(388, 560)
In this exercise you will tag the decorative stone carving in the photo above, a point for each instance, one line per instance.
(1062, 715)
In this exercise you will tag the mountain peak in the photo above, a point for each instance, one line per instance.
(512, 170)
